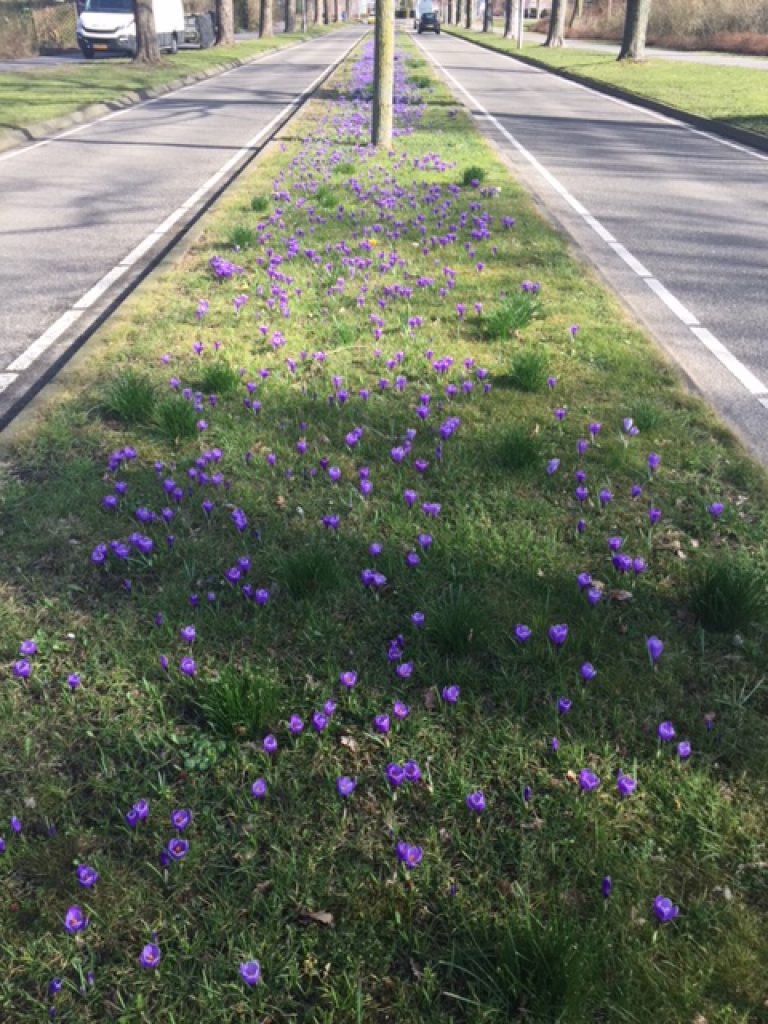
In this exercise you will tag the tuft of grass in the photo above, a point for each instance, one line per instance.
(647, 415)
(238, 702)
(241, 237)
(729, 593)
(512, 314)
(423, 82)
(131, 397)
(259, 204)
(345, 168)
(473, 173)
(529, 370)
(176, 418)
(518, 449)
(458, 623)
(326, 197)
(308, 571)
(219, 378)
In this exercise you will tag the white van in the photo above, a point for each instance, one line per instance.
(107, 26)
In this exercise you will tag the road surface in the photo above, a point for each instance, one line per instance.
(675, 219)
(84, 213)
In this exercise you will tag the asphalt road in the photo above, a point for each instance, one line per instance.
(83, 213)
(674, 219)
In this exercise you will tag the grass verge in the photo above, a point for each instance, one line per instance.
(343, 638)
(735, 96)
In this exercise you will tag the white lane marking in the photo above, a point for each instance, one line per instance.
(671, 302)
(718, 349)
(6, 379)
(743, 375)
(44, 342)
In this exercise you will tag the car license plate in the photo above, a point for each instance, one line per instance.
(100, 46)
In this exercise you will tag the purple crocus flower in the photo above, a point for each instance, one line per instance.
(250, 972)
(348, 679)
(587, 672)
(319, 721)
(417, 620)
(412, 771)
(187, 667)
(150, 956)
(188, 634)
(716, 509)
(180, 819)
(381, 724)
(27, 648)
(655, 647)
(588, 781)
(664, 909)
(22, 669)
(564, 705)
(476, 802)
(259, 789)
(295, 725)
(666, 732)
(87, 876)
(626, 785)
(552, 466)
(594, 596)
(409, 856)
(345, 786)
(450, 694)
(269, 744)
(654, 515)
(522, 633)
(606, 497)
(584, 580)
(75, 921)
(558, 634)
(400, 710)
(395, 774)
(684, 750)
(606, 886)
(177, 849)
(654, 461)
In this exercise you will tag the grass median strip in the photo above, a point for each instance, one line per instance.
(733, 95)
(382, 627)
(32, 97)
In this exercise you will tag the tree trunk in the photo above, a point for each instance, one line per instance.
(335, 12)
(449, 16)
(253, 12)
(557, 23)
(488, 16)
(225, 18)
(635, 30)
(290, 15)
(468, 13)
(147, 50)
(383, 74)
(266, 23)
(578, 10)
(508, 17)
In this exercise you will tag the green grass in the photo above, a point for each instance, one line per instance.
(31, 97)
(503, 921)
(733, 95)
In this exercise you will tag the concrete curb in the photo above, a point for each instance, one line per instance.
(13, 137)
(705, 124)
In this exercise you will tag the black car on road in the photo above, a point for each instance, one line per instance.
(429, 22)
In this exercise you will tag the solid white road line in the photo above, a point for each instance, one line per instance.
(741, 373)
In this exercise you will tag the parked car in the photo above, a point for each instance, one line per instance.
(108, 26)
(429, 22)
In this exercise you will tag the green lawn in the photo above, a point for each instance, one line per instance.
(31, 97)
(371, 349)
(735, 96)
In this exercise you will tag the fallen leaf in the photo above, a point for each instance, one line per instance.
(323, 917)
(349, 742)
(430, 699)
(620, 596)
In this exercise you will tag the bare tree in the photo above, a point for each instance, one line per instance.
(290, 15)
(383, 73)
(266, 22)
(635, 30)
(468, 13)
(488, 16)
(556, 31)
(147, 50)
(225, 22)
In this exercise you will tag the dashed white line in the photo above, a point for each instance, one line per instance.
(6, 379)
(741, 373)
